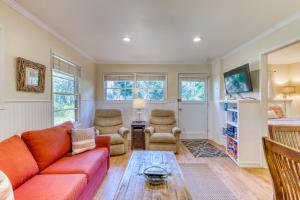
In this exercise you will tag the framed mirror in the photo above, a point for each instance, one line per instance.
(30, 76)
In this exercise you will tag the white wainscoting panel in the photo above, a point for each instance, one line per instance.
(87, 113)
(20, 116)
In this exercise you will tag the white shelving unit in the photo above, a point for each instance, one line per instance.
(244, 145)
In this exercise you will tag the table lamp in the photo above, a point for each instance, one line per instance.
(288, 90)
(139, 104)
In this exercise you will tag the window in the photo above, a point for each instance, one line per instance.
(119, 87)
(65, 91)
(133, 85)
(193, 87)
(150, 86)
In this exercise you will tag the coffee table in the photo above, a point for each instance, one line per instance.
(134, 187)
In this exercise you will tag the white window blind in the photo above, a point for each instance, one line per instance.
(66, 66)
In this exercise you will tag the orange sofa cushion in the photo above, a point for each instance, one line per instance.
(85, 163)
(16, 161)
(50, 144)
(50, 187)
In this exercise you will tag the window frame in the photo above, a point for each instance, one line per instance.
(76, 93)
(135, 88)
(200, 76)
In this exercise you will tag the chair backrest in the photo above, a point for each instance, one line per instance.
(284, 165)
(288, 135)
(162, 120)
(108, 120)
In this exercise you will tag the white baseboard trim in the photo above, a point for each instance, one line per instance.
(191, 136)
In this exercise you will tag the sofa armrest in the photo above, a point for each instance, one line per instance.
(104, 141)
(123, 131)
(149, 130)
(176, 130)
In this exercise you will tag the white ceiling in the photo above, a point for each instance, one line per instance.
(161, 30)
(287, 55)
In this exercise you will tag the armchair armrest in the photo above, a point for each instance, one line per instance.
(123, 131)
(176, 130)
(149, 130)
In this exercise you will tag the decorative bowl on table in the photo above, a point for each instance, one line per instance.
(155, 175)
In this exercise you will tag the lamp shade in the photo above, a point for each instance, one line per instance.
(289, 89)
(139, 103)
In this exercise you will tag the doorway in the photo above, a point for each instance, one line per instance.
(193, 105)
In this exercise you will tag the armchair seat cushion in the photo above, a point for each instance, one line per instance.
(115, 138)
(163, 138)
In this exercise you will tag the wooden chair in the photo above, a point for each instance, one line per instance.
(284, 165)
(288, 135)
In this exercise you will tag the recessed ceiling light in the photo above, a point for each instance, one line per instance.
(126, 39)
(197, 39)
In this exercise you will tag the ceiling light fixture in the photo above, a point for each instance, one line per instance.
(126, 39)
(197, 39)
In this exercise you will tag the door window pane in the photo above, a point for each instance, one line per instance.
(193, 91)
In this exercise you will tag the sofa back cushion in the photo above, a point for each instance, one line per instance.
(16, 161)
(50, 144)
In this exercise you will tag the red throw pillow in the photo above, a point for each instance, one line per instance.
(16, 161)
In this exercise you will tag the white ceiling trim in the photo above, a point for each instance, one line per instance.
(20, 9)
(275, 28)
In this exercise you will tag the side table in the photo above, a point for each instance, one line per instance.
(137, 134)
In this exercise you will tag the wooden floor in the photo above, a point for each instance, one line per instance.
(246, 184)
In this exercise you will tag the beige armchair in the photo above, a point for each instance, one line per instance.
(109, 122)
(162, 134)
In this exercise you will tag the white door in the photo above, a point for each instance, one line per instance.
(193, 106)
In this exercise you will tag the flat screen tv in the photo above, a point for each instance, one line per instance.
(238, 80)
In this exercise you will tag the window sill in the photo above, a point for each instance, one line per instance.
(76, 125)
(194, 102)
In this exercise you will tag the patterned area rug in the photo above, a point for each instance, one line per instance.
(202, 148)
(204, 184)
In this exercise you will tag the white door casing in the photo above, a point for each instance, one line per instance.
(1, 67)
(193, 115)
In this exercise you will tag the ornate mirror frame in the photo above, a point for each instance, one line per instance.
(22, 64)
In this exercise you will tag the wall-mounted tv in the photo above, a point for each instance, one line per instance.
(238, 80)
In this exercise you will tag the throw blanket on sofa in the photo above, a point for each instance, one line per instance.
(6, 191)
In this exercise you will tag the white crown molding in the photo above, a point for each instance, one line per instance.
(20, 9)
(266, 33)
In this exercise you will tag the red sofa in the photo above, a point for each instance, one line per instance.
(40, 168)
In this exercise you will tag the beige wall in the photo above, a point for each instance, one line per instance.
(284, 75)
(23, 38)
(171, 70)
